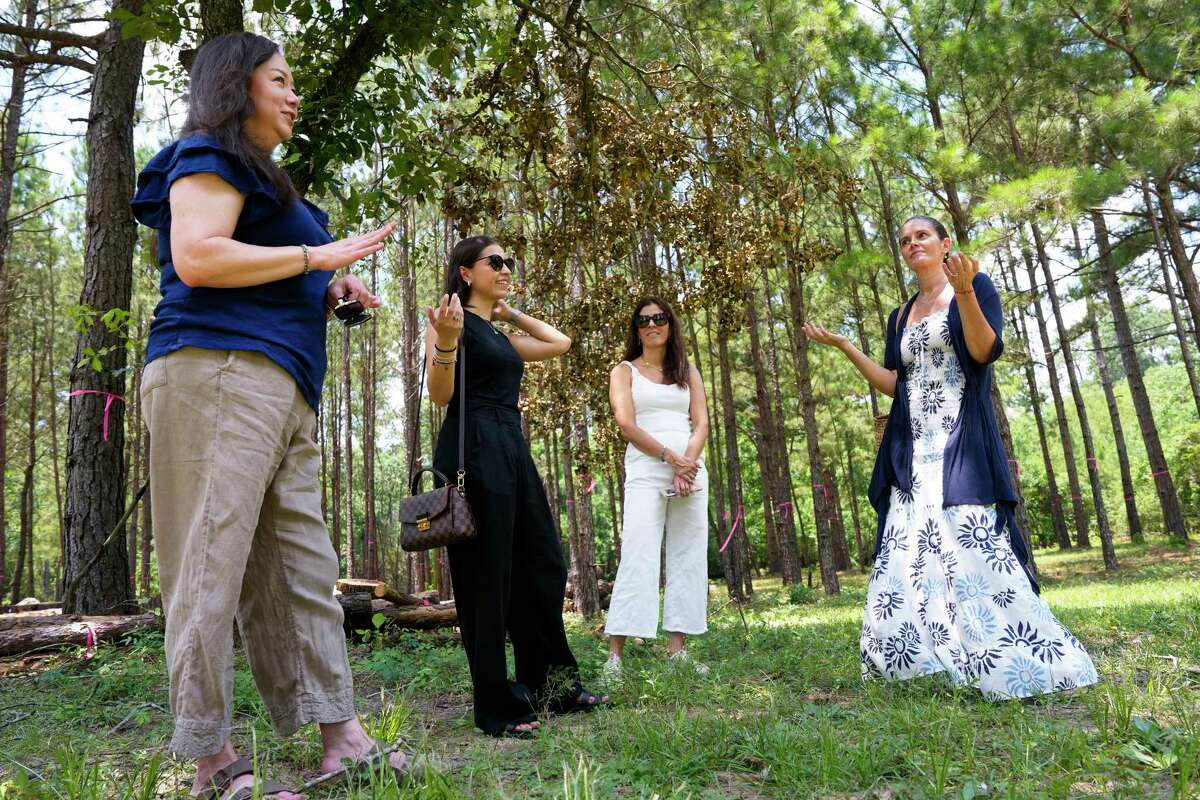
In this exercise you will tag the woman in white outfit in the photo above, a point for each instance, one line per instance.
(659, 404)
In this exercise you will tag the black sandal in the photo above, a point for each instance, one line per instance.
(576, 701)
(513, 731)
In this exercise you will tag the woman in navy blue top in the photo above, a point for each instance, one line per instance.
(235, 364)
(951, 592)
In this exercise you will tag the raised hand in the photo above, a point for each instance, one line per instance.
(961, 270)
(819, 334)
(344, 252)
(501, 311)
(447, 318)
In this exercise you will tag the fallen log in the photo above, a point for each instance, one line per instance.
(379, 589)
(63, 631)
(360, 609)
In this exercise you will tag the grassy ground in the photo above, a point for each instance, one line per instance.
(783, 715)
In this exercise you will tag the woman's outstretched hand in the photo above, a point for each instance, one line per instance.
(447, 318)
(344, 252)
(961, 270)
(819, 334)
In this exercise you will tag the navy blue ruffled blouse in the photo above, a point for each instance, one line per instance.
(975, 469)
(285, 319)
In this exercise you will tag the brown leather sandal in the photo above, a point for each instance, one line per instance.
(222, 779)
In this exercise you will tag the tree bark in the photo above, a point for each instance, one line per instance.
(1160, 248)
(777, 494)
(1060, 412)
(579, 512)
(1114, 414)
(822, 507)
(1057, 517)
(1183, 264)
(1085, 427)
(95, 468)
(13, 111)
(352, 566)
(1159, 469)
(738, 577)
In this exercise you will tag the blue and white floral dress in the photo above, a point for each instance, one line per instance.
(947, 594)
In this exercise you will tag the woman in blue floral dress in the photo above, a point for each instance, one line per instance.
(951, 591)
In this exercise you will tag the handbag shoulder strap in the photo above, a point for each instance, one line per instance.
(462, 412)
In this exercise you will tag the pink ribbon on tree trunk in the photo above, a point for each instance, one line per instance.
(107, 403)
(732, 530)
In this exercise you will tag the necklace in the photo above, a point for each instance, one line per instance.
(648, 365)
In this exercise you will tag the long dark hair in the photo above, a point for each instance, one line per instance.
(464, 254)
(676, 369)
(219, 102)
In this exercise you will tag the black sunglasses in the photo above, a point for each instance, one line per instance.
(644, 320)
(498, 262)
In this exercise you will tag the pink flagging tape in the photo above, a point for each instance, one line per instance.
(592, 485)
(1093, 464)
(1016, 463)
(729, 538)
(1159, 473)
(107, 403)
(821, 486)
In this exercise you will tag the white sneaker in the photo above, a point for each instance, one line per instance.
(681, 658)
(611, 674)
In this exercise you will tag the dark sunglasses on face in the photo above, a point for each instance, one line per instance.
(498, 262)
(644, 320)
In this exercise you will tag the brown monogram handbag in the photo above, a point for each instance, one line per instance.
(441, 517)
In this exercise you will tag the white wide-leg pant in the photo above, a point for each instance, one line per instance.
(633, 610)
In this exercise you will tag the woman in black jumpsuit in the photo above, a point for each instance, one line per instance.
(510, 579)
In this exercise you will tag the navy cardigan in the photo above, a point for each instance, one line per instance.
(975, 470)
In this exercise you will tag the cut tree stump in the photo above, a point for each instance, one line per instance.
(42, 632)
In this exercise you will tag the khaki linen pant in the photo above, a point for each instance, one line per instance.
(239, 534)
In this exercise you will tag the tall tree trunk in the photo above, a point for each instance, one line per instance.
(1159, 469)
(1160, 248)
(1057, 517)
(739, 563)
(785, 509)
(13, 111)
(352, 567)
(716, 471)
(579, 513)
(370, 532)
(776, 486)
(1114, 416)
(334, 422)
(95, 468)
(1183, 264)
(889, 230)
(1085, 427)
(822, 505)
(852, 481)
(24, 566)
(1060, 411)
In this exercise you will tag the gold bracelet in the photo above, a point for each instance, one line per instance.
(445, 362)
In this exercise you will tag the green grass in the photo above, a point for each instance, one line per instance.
(784, 713)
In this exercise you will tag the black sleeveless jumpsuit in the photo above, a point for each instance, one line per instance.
(511, 578)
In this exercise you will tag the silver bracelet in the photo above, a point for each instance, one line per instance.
(307, 265)
(513, 314)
